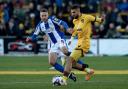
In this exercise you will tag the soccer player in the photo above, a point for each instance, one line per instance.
(82, 29)
(52, 28)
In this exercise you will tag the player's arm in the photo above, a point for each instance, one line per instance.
(95, 19)
(63, 25)
(72, 37)
(74, 33)
(34, 35)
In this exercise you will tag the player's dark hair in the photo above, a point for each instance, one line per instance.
(76, 6)
(44, 10)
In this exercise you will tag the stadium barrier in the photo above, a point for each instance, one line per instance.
(110, 47)
(1, 47)
(14, 46)
(107, 47)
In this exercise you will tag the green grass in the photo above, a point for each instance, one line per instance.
(44, 82)
(41, 63)
(38, 81)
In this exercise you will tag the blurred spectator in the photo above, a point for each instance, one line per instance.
(111, 33)
(11, 27)
(20, 31)
(19, 17)
(19, 12)
(108, 4)
(34, 13)
(59, 4)
(101, 33)
(93, 5)
(2, 29)
(111, 17)
(126, 29)
(119, 31)
(123, 5)
(4, 16)
(27, 24)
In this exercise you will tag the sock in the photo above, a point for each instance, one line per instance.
(87, 70)
(63, 60)
(59, 67)
(65, 78)
(65, 75)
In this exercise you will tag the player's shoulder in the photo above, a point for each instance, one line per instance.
(86, 15)
(53, 17)
(39, 23)
(74, 21)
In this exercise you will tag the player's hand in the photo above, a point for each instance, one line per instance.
(70, 30)
(28, 39)
(103, 17)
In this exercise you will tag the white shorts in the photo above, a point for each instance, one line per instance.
(56, 47)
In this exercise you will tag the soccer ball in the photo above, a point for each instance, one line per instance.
(58, 81)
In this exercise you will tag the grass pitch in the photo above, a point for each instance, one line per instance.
(33, 73)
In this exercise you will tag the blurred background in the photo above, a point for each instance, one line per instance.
(18, 19)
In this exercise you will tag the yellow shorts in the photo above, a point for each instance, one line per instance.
(76, 54)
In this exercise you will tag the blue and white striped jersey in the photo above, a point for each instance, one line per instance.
(51, 29)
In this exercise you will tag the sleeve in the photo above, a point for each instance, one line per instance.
(64, 24)
(36, 33)
(60, 22)
(94, 18)
(55, 20)
(37, 30)
(6, 16)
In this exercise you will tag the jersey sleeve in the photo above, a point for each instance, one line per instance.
(60, 22)
(94, 18)
(36, 32)
(55, 20)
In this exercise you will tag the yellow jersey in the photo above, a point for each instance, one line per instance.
(83, 29)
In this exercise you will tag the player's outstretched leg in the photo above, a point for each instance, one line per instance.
(72, 76)
(85, 67)
(89, 74)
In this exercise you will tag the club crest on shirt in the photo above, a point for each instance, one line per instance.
(79, 30)
(82, 20)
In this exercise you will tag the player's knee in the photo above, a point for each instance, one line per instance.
(52, 63)
(73, 63)
(64, 50)
(72, 60)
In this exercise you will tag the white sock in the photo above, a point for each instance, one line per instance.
(87, 70)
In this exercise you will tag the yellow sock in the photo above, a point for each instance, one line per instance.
(65, 78)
